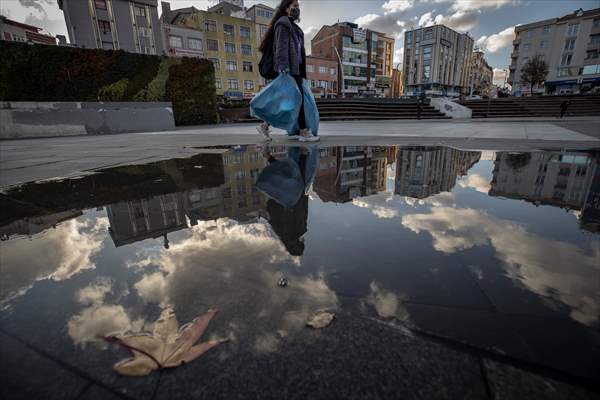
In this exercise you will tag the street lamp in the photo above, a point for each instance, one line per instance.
(341, 71)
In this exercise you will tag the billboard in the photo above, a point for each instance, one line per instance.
(359, 35)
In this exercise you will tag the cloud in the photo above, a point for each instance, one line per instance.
(58, 254)
(461, 20)
(550, 268)
(394, 6)
(497, 41)
(387, 304)
(475, 181)
(235, 267)
(100, 320)
(398, 56)
(468, 5)
(426, 19)
(52, 26)
(5, 12)
(381, 205)
(389, 24)
(95, 292)
(500, 76)
(37, 5)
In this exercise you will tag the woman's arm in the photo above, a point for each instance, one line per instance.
(282, 48)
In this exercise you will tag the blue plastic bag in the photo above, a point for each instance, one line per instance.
(311, 113)
(278, 103)
(282, 181)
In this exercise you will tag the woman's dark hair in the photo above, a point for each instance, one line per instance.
(280, 12)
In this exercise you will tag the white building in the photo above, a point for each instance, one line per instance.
(570, 45)
(183, 42)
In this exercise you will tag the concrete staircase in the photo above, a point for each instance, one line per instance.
(538, 106)
(374, 109)
(369, 109)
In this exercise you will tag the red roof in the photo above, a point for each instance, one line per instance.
(39, 38)
(20, 24)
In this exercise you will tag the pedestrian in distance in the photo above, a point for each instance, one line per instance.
(287, 39)
(563, 108)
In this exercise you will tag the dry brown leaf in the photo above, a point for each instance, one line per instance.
(167, 347)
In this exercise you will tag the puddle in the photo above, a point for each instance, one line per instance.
(496, 250)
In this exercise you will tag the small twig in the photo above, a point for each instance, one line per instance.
(116, 340)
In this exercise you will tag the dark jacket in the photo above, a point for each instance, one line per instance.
(288, 38)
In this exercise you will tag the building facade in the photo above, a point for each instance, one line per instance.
(570, 45)
(397, 83)
(183, 42)
(231, 46)
(359, 57)
(14, 31)
(382, 55)
(114, 25)
(322, 74)
(480, 74)
(437, 60)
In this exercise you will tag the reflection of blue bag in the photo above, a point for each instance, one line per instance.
(282, 181)
(278, 103)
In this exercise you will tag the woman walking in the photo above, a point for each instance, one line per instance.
(287, 39)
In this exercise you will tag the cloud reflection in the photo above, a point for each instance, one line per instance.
(554, 269)
(235, 267)
(387, 304)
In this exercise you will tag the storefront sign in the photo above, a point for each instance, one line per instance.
(233, 94)
(359, 35)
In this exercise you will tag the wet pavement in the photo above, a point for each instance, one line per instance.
(452, 274)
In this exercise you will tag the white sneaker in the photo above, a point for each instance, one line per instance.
(264, 130)
(306, 136)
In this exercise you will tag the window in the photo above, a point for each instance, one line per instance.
(263, 30)
(569, 45)
(591, 54)
(323, 84)
(543, 44)
(175, 41)
(229, 47)
(244, 31)
(231, 65)
(216, 63)
(104, 26)
(426, 72)
(332, 71)
(140, 11)
(210, 26)
(591, 69)
(596, 23)
(322, 70)
(247, 66)
(246, 49)
(310, 68)
(228, 29)
(573, 29)
(546, 30)
(525, 60)
(100, 4)
(528, 34)
(212, 45)
(195, 44)
(427, 53)
(108, 46)
(233, 84)
(143, 31)
(249, 85)
(566, 59)
(218, 83)
(428, 35)
(595, 39)
(527, 46)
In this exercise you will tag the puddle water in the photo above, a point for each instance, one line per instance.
(496, 250)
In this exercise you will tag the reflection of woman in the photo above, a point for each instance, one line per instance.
(287, 40)
(288, 210)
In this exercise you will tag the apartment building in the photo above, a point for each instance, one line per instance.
(359, 54)
(480, 74)
(114, 25)
(397, 83)
(437, 60)
(570, 45)
(231, 46)
(261, 15)
(183, 42)
(322, 74)
(14, 31)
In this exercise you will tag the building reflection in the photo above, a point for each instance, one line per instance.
(153, 200)
(568, 180)
(425, 171)
(346, 172)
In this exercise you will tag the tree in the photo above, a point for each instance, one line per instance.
(534, 72)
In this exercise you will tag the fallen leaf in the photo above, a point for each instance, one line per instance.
(167, 347)
(320, 319)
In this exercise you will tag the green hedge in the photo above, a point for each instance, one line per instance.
(56, 73)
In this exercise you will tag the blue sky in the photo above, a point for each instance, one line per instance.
(490, 22)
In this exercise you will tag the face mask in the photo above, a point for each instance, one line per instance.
(295, 13)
